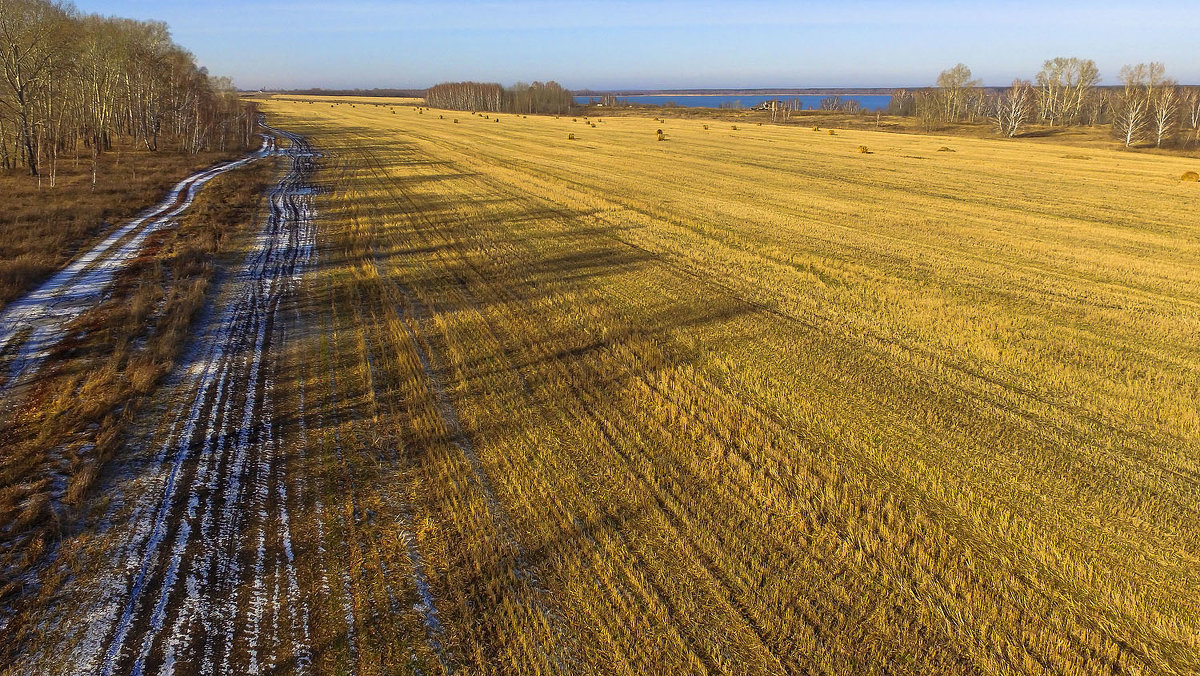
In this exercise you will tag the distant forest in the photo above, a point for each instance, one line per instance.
(77, 82)
(546, 98)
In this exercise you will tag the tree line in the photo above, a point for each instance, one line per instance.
(1146, 108)
(74, 81)
(544, 98)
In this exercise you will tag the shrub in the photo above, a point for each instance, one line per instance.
(832, 132)
(945, 149)
(733, 127)
(570, 137)
(1190, 177)
(456, 120)
(760, 124)
(659, 132)
(864, 150)
(706, 127)
(816, 129)
(662, 137)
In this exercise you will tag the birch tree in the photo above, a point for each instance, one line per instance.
(1013, 108)
(953, 85)
(1133, 102)
(1164, 112)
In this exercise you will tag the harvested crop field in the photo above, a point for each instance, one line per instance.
(490, 399)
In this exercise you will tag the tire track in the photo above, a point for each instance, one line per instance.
(206, 576)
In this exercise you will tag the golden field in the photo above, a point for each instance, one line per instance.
(751, 401)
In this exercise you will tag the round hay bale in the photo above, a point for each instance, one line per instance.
(1190, 177)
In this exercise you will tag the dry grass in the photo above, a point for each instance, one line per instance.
(734, 404)
(73, 419)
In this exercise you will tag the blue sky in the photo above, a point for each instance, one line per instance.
(664, 43)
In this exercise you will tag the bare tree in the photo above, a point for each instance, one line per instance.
(1134, 101)
(927, 105)
(1063, 85)
(902, 103)
(1191, 111)
(1164, 111)
(953, 85)
(27, 50)
(1013, 108)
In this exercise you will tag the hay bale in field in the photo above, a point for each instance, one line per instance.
(864, 150)
(1190, 177)
(946, 149)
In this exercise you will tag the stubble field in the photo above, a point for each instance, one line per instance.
(743, 401)
(753, 401)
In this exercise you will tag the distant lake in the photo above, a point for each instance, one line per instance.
(809, 101)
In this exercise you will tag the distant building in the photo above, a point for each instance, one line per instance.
(773, 104)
